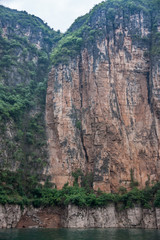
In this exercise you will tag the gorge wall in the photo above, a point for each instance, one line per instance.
(12, 216)
(103, 108)
(97, 123)
(101, 112)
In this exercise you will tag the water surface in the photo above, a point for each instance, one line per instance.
(79, 234)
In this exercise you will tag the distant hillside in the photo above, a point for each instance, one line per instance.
(25, 44)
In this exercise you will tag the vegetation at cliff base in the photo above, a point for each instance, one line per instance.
(24, 189)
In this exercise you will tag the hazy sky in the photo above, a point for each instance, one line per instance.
(59, 14)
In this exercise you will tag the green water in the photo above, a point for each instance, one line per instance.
(78, 234)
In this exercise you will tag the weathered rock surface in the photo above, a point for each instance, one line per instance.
(41, 218)
(11, 216)
(102, 109)
(90, 217)
(110, 217)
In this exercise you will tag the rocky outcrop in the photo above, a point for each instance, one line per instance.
(102, 109)
(9, 215)
(41, 218)
(12, 216)
(90, 217)
(111, 217)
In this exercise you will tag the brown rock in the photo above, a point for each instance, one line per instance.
(115, 98)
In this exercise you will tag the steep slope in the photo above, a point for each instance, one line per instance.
(25, 44)
(103, 108)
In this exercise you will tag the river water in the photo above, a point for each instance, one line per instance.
(79, 234)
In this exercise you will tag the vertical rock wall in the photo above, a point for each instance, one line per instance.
(102, 109)
(12, 216)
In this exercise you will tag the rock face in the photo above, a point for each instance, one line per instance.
(41, 218)
(76, 217)
(91, 217)
(12, 216)
(110, 217)
(102, 109)
(9, 216)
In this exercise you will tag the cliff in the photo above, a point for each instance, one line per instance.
(94, 122)
(102, 108)
(12, 216)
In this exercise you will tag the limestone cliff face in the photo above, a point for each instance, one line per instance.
(103, 108)
(12, 216)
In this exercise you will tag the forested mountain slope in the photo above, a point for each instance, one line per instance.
(25, 44)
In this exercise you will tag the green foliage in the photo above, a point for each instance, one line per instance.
(82, 32)
(86, 180)
(22, 94)
(135, 196)
(24, 189)
(14, 101)
(25, 22)
(23, 82)
(78, 173)
(78, 124)
(68, 47)
(133, 183)
(16, 187)
(157, 199)
(122, 190)
(155, 48)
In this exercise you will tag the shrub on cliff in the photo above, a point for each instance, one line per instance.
(23, 189)
(157, 200)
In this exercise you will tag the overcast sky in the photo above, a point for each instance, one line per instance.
(59, 14)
